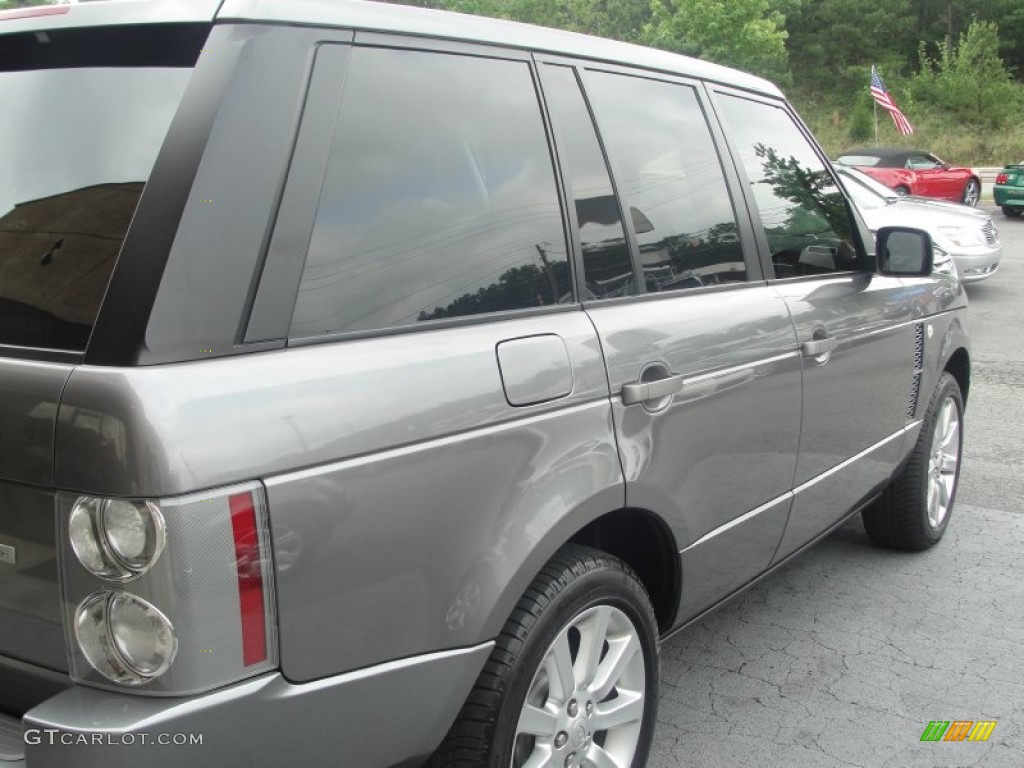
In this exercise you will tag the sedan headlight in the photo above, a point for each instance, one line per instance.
(964, 237)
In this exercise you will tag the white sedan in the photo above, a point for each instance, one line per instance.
(966, 234)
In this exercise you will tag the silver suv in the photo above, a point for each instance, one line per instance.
(370, 374)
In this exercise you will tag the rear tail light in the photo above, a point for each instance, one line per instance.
(1001, 178)
(124, 638)
(170, 596)
(116, 539)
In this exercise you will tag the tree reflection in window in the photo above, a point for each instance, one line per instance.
(516, 288)
(804, 215)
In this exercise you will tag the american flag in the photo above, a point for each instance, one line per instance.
(885, 100)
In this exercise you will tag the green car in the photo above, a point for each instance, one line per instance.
(1009, 190)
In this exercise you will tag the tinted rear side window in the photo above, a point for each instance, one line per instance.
(671, 180)
(84, 115)
(439, 198)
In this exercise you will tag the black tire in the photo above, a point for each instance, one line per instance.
(579, 584)
(972, 193)
(902, 191)
(905, 516)
(1011, 212)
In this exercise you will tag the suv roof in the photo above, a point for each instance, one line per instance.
(375, 17)
(384, 17)
(108, 12)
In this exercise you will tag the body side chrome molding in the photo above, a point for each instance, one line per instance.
(714, 374)
(789, 495)
(857, 457)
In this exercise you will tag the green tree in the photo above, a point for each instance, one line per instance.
(1009, 14)
(833, 43)
(970, 81)
(748, 34)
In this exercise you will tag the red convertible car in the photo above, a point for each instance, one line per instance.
(913, 172)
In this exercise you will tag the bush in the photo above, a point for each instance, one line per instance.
(862, 124)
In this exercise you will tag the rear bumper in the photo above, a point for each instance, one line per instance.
(387, 715)
(1008, 196)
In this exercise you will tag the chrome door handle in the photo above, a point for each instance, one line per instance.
(651, 390)
(819, 347)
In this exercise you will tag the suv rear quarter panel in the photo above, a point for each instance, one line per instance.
(423, 501)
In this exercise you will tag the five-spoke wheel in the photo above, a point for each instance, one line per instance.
(572, 679)
(972, 192)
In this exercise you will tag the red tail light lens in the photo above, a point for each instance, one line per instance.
(250, 578)
(1000, 178)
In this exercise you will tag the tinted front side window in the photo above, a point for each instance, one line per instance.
(439, 198)
(84, 114)
(804, 215)
(606, 263)
(670, 178)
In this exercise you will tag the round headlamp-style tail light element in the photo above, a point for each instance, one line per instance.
(116, 539)
(125, 638)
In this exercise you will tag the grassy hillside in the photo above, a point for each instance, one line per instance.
(957, 143)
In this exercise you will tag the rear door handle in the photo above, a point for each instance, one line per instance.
(819, 347)
(651, 390)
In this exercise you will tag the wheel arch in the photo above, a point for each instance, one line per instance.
(638, 537)
(903, 177)
(959, 367)
(643, 541)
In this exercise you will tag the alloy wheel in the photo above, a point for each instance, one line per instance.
(943, 462)
(972, 193)
(585, 705)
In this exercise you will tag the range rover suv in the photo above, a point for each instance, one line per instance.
(380, 385)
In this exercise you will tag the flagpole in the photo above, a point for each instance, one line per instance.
(874, 103)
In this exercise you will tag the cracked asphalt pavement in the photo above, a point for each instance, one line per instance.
(844, 656)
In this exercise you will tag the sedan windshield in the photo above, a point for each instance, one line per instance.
(866, 160)
(867, 193)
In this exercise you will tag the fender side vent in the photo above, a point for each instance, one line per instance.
(915, 384)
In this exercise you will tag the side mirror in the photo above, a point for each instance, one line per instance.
(904, 252)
